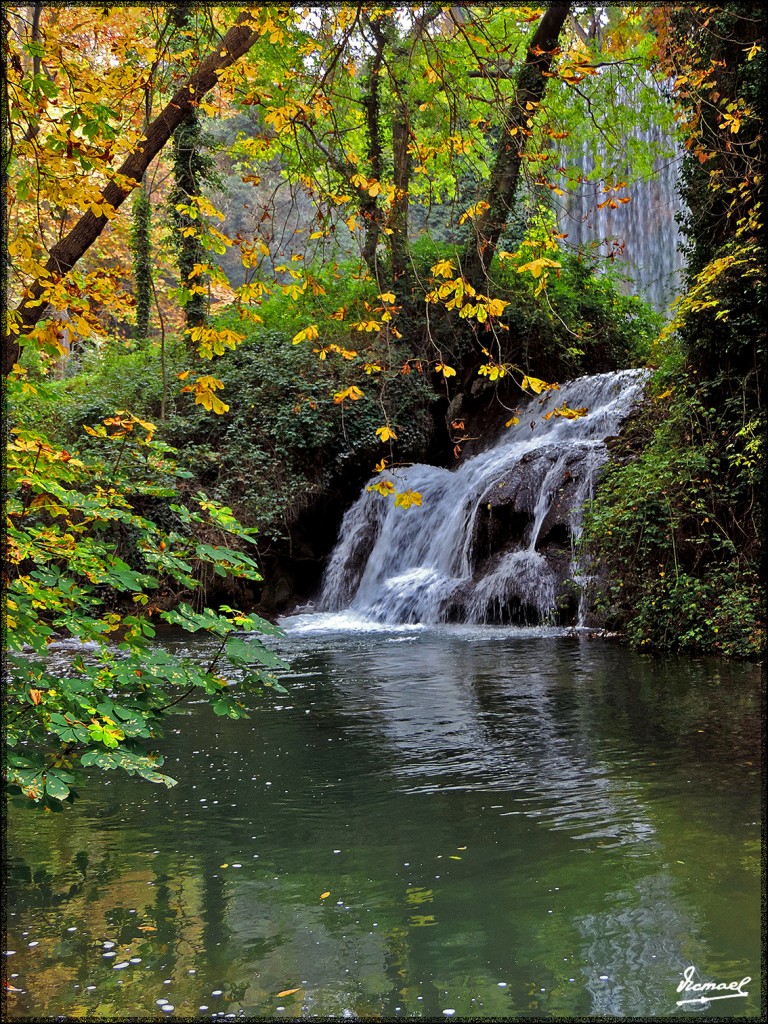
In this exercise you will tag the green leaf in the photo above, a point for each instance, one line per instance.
(55, 785)
(242, 652)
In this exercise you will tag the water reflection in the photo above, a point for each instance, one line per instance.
(505, 823)
(456, 719)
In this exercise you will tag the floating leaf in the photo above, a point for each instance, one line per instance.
(287, 992)
(325, 895)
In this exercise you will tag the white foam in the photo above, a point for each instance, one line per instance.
(340, 622)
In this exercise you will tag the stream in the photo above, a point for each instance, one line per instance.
(454, 821)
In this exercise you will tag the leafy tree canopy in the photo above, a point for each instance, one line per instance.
(348, 131)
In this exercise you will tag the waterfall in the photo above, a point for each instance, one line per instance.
(642, 235)
(494, 539)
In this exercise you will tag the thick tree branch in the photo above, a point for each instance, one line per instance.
(66, 253)
(505, 174)
(369, 208)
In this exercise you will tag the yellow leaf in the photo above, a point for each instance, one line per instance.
(308, 334)
(536, 266)
(387, 297)
(352, 393)
(512, 422)
(443, 268)
(287, 992)
(447, 371)
(325, 895)
(537, 386)
(408, 498)
(473, 211)
(384, 487)
(386, 434)
(570, 414)
(497, 306)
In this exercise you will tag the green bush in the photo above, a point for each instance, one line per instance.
(675, 524)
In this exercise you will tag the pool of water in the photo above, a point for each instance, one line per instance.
(453, 822)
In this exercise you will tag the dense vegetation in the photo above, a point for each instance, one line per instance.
(343, 254)
(679, 524)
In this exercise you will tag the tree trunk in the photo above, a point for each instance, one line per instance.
(505, 176)
(66, 253)
(141, 243)
(401, 134)
(369, 208)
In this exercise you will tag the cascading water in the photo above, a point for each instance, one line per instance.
(493, 539)
(645, 229)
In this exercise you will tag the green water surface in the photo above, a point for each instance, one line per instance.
(445, 823)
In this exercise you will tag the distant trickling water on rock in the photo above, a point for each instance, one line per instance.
(495, 539)
(644, 230)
